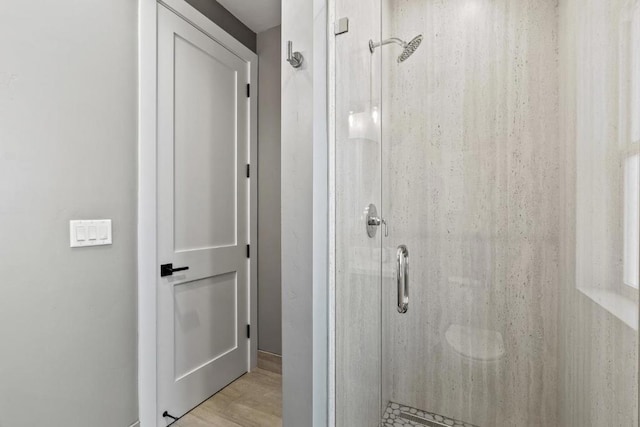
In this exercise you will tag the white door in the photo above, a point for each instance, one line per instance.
(203, 217)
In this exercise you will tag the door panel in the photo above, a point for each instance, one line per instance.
(202, 215)
(200, 306)
(205, 88)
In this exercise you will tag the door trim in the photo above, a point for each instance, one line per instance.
(147, 192)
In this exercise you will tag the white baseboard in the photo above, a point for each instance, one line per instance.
(136, 424)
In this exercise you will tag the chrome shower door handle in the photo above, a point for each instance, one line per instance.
(403, 278)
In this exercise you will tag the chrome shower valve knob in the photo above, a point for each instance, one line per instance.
(373, 221)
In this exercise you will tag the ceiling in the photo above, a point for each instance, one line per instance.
(259, 15)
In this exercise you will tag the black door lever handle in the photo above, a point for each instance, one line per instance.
(168, 270)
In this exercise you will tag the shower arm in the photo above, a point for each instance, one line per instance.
(373, 45)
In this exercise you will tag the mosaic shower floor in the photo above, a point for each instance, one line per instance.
(404, 416)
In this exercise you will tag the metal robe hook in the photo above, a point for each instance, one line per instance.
(294, 58)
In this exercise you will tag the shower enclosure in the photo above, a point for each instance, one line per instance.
(485, 240)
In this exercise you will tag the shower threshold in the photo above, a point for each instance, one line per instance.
(397, 415)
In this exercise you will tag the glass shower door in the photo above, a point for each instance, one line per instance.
(510, 172)
(469, 187)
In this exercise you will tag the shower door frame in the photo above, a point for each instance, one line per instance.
(331, 241)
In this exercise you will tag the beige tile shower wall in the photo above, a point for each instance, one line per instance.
(598, 355)
(471, 177)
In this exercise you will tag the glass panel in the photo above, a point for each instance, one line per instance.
(471, 173)
(599, 299)
(358, 169)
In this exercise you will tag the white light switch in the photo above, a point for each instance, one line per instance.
(94, 232)
(103, 232)
(81, 233)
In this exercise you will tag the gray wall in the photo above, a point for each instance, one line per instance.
(269, 275)
(67, 151)
(228, 22)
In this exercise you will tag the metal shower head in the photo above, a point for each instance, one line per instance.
(408, 48)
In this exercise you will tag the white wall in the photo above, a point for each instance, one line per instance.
(67, 151)
(304, 215)
(269, 276)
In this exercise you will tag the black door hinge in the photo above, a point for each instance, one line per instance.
(248, 251)
(248, 171)
(248, 90)
(248, 331)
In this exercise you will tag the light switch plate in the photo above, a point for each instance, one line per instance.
(94, 232)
